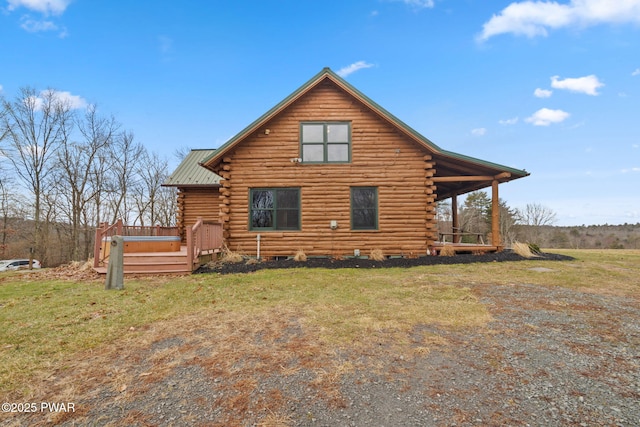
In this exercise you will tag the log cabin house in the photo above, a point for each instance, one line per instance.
(330, 172)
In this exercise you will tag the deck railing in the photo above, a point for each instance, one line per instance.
(105, 231)
(203, 238)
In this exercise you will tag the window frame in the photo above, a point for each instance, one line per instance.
(375, 208)
(275, 209)
(325, 143)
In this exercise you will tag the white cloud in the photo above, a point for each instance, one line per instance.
(478, 131)
(74, 102)
(636, 72)
(632, 170)
(545, 117)
(46, 7)
(350, 69)
(418, 4)
(509, 122)
(1, 88)
(36, 26)
(535, 18)
(635, 146)
(588, 84)
(542, 93)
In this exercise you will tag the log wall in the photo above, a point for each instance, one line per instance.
(196, 202)
(381, 157)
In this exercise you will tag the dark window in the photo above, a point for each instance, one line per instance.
(364, 208)
(328, 142)
(275, 209)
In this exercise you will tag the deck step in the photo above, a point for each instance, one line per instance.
(152, 263)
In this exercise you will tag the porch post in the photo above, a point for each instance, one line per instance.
(455, 227)
(495, 215)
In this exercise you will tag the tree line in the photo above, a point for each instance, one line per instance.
(65, 170)
(535, 224)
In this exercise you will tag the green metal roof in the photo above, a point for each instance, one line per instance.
(190, 173)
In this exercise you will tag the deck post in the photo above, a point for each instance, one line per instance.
(115, 270)
(97, 244)
(455, 227)
(495, 215)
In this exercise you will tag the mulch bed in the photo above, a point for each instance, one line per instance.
(251, 265)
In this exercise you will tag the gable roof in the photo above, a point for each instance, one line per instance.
(189, 173)
(448, 163)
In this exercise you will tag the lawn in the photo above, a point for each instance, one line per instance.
(47, 322)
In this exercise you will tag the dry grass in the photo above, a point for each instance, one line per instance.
(229, 256)
(300, 256)
(60, 336)
(522, 249)
(377, 255)
(447, 250)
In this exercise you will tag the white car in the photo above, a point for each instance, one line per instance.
(17, 264)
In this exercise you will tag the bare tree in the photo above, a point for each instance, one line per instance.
(532, 219)
(34, 125)
(537, 215)
(12, 206)
(167, 206)
(122, 175)
(147, 194)
(76, 164)
(181, 152)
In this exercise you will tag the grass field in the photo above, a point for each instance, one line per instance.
(48, 322)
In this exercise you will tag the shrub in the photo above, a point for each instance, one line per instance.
(534, 248)
(300, 256)
(447, 250)
(377, 255)
(229, 256)
(522, 249)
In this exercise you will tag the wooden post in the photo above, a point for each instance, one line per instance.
(495, 215)
(97, 244)
(115, 271)
(455, 227)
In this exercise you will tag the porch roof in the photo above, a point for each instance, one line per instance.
(189, 173)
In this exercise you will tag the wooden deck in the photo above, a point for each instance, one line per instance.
(158, 250)
(175, 262)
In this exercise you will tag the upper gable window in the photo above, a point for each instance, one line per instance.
(325, 142)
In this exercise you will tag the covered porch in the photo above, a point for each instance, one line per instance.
(459, 175)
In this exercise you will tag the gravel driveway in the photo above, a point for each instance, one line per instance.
(549, 357)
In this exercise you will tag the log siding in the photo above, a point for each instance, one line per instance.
(194, 203)
(381, 157)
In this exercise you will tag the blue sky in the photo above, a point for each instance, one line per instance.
(550, 87)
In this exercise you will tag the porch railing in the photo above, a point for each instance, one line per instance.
(203, 238)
